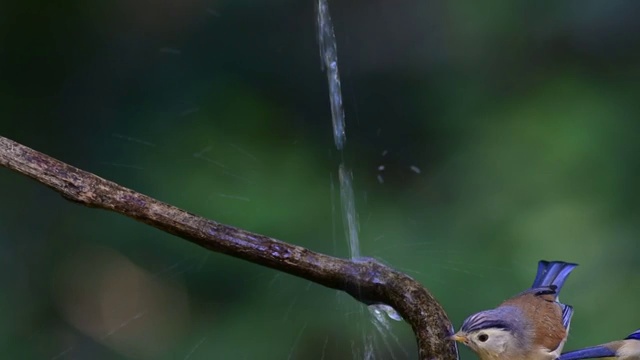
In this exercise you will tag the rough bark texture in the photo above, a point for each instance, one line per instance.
(365, 279)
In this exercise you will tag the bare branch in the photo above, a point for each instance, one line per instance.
(366, 279)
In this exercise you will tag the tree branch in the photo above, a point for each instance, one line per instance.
(365, 279)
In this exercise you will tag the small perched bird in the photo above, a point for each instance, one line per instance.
(627, 349)
(532, 325)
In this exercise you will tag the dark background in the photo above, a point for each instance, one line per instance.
(522, 118)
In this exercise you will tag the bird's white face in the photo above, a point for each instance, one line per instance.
(489, 344)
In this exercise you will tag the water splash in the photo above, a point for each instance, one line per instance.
(380, 310)
(329, 58)
(380, 319)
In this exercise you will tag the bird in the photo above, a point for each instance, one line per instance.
(532, 325)
(627, 349)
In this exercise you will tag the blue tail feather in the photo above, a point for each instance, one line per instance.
(552, 273)
(588, 353)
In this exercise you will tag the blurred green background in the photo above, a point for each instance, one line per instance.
(521, 117)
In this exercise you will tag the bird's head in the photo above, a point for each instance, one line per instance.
(491, 334)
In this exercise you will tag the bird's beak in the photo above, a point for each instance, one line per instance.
(458, 337)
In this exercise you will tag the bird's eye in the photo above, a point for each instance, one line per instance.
(483, 337)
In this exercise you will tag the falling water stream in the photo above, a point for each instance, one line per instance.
(380, 313)
(329, 60)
